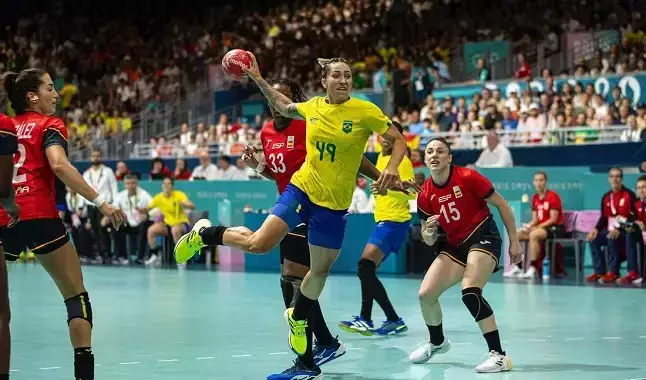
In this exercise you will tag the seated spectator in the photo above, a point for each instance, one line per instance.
(612, 229)
(360, 202)
(206, 169)
(76, 218)
(416, 159)
(495, 155)
(173, 205)
(133, 201)
(547, 222)
(181, 171)
(159, 170)
(226, 171)
(635, 273)
(243, 172)
(122, 171)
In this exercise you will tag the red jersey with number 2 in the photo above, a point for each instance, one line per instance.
(34, 180)
(551, 201)
(284, 150)
(460, 203)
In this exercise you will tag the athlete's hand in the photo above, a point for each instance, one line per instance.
(516, 252)
(593, 234)
(429, 234)
(388, 179)
(249, 156)
(374, 188)
(116, 215)
(253, 71)
(14, 214)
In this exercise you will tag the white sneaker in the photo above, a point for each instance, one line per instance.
(638, 281)
(124, 261)
(152, 260)
(495, 363)
(530, 274)
(427, 351)
(514, 272)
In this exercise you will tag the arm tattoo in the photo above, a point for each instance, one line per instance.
(280, 102)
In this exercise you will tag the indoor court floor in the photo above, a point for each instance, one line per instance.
(170, 324)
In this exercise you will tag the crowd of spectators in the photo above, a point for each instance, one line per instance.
(162, 49)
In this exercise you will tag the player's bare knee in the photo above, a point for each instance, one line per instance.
(428, 296)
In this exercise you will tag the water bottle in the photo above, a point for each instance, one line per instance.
(547, 267)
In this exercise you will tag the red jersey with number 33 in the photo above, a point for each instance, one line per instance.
(34, 180)
(284, 150)
(460, 203)
(551, 201)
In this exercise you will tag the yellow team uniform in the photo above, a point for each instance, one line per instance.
(393, 207)
(171, 207)
(336, 137)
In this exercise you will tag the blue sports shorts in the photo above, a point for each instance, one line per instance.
(326, 227)
(389, 236)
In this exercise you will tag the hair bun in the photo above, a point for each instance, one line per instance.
(323, 61)
(9, 81)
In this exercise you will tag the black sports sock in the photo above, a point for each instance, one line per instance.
(303, 307)
(83, 363)
(319, 327)
(436, 333)
(213, 236)
(366, 300)
(308, 356)
(380, 295)
(154, 251)
(493, 341)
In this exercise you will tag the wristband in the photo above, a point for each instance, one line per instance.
(260, 168)
(98, 201)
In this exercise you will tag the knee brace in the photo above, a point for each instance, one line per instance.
(79, 307)
(367, 269)
(475, 302)
(290, 286)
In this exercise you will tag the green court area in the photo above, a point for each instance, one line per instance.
(170, 324)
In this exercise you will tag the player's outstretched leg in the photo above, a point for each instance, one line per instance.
(62, 263)
(272, 231)
(479, 268)
(443, 274)
(5, 318)
(373, 290)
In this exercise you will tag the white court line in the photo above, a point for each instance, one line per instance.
(129, 363)
(611, 338)
(571, 339)
(205, 358)
(48, 368)
(461, 343)
(14, 370)
(278, 353)
(167, 360)
(639, 378)
(354, 349)
(642, 337)
(241, 356)
(536, 340)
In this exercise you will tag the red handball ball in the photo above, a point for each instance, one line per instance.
(233, 62)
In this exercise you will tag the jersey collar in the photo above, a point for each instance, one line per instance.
(448, 179)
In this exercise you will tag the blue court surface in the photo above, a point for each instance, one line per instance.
(170, 324)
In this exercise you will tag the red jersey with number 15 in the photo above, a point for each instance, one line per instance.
(34, 180)
(460, 203)
(284, 150)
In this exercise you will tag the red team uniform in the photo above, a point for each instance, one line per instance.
(464, 214)
(8, 144)
(40, 228)
(551, 201)
(285, 153)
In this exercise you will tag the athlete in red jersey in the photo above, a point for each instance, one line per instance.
(41, 157)
(454, 199)
(546, 223)
(283, 144)
(8, 147)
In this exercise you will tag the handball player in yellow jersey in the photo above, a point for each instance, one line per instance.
(338, 128)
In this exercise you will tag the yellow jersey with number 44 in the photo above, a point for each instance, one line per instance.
(335, 140)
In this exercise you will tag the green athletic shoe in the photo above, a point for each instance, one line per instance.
(190, 244)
